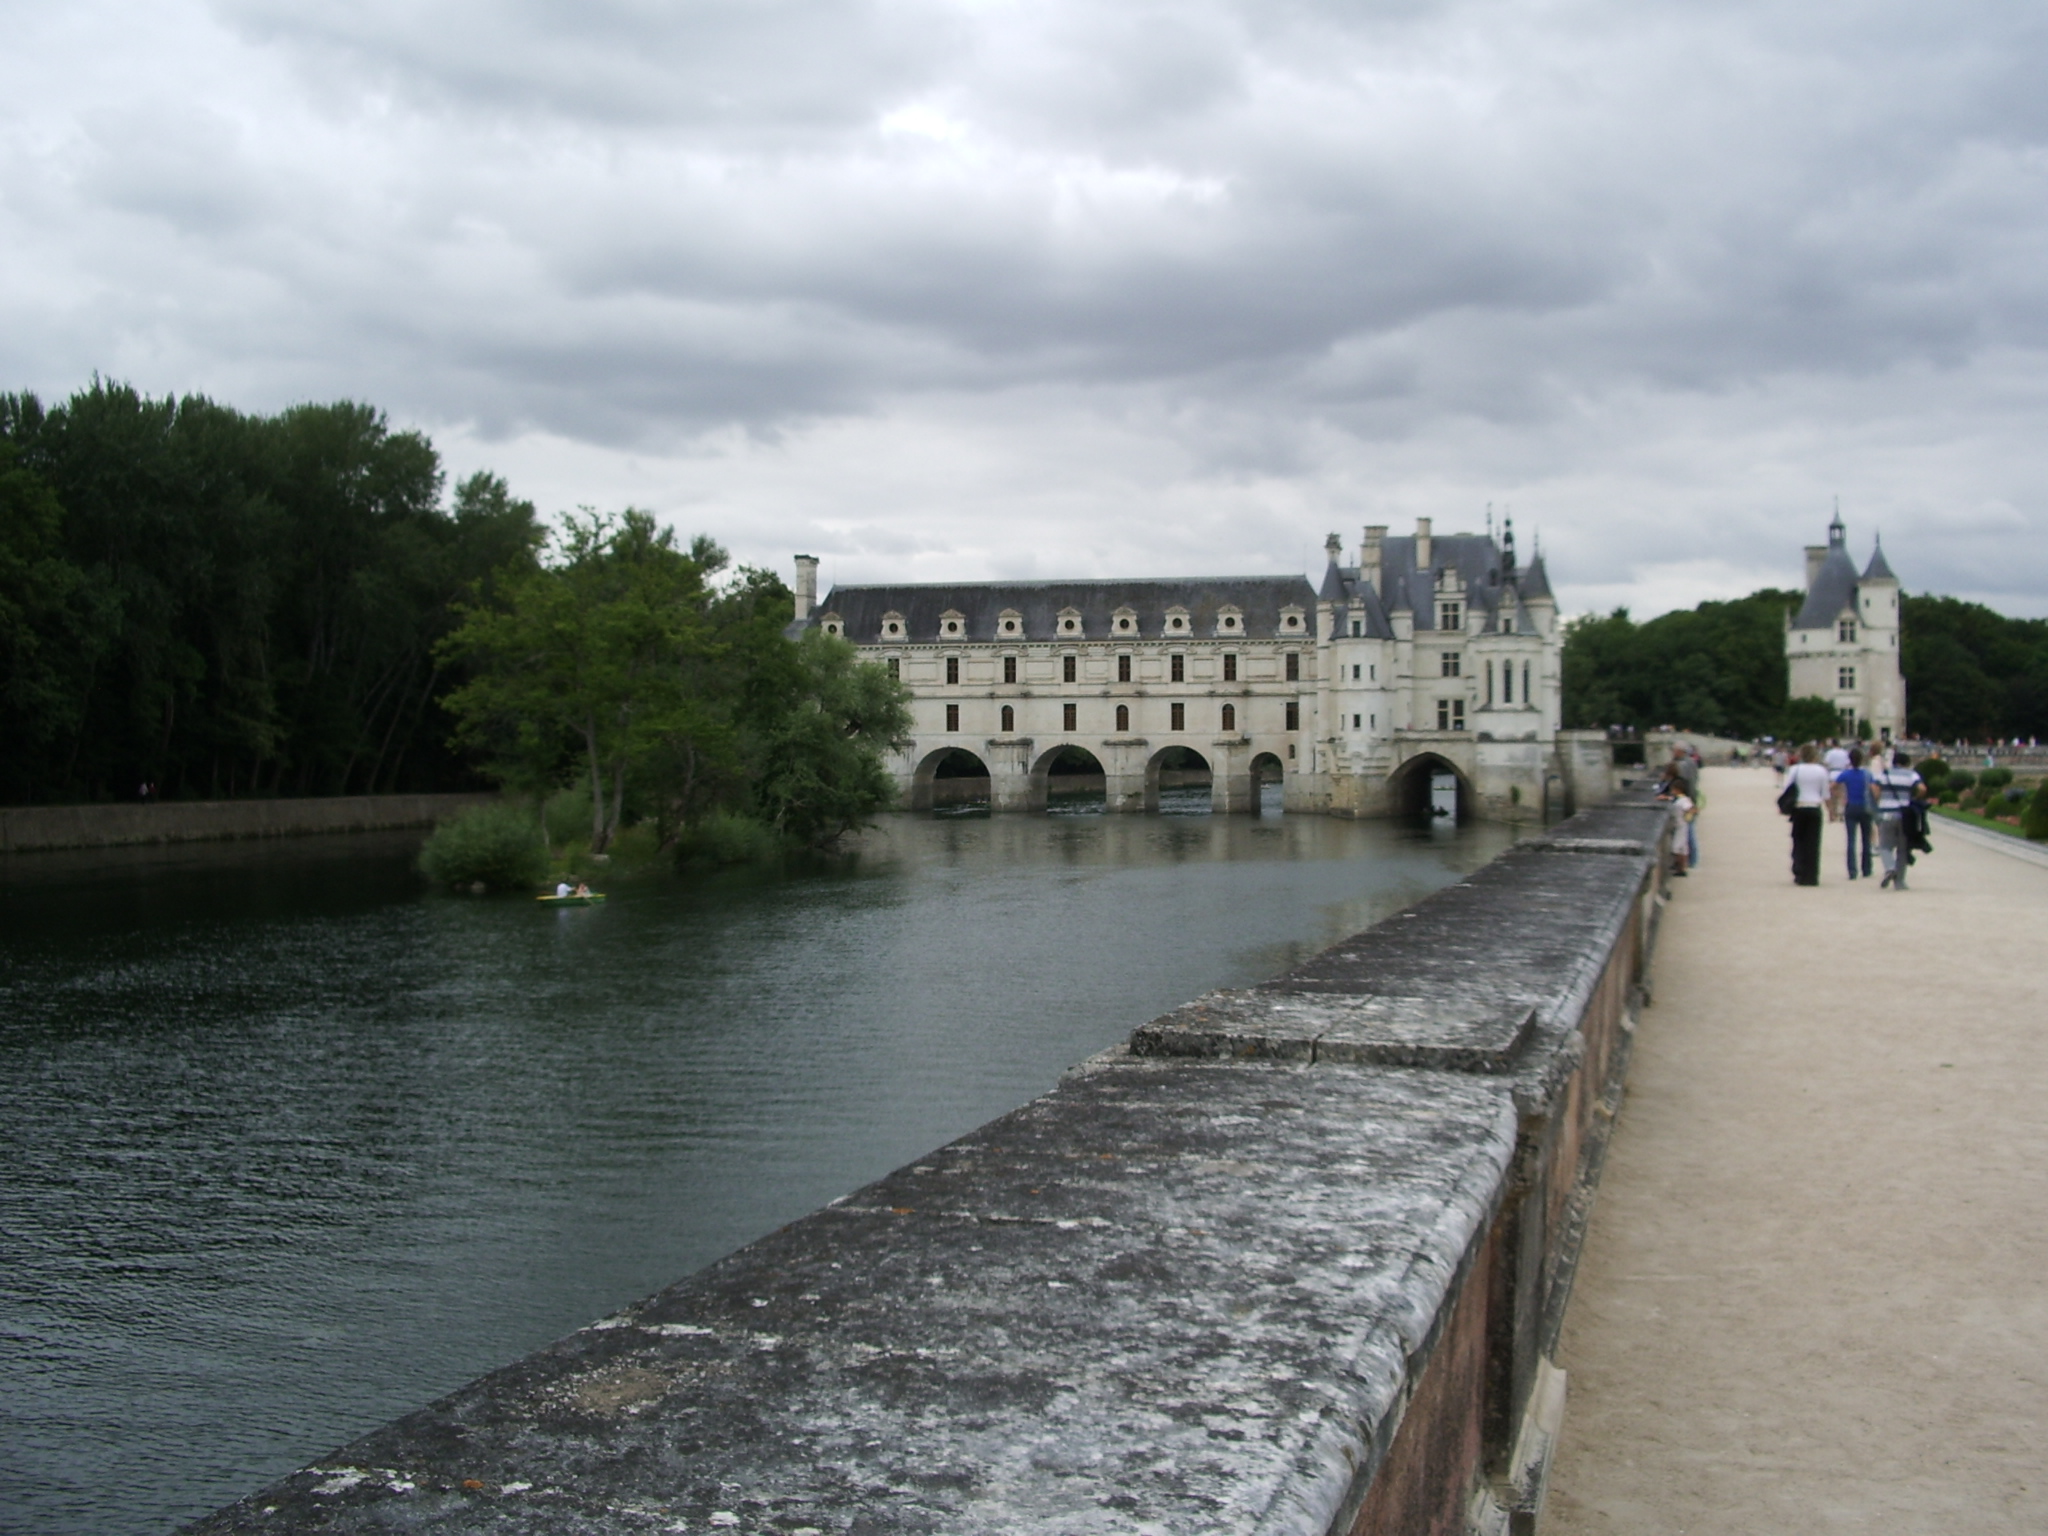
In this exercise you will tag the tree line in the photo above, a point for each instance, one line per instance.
(1971, 673)
(226, 604)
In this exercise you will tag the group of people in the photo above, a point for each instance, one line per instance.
(1880, 802)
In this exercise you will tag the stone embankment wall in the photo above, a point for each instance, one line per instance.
(25, 829)
(1291, 1260)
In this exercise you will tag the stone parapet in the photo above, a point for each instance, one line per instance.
(1291, 1261)
(25, 829)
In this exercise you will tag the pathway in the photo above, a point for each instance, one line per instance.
(1814, 1297)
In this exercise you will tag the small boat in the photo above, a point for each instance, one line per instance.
(586, 899)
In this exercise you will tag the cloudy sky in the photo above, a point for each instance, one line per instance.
(951, 290)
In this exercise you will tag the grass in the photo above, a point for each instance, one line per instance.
(1971, 818)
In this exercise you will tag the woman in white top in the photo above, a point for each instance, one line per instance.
(1815, 789)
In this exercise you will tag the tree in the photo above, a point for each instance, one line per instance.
(591, 654)
(820, 771)
(1719, 667)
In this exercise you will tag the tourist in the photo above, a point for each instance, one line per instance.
(563, 888)
(1855, 805)
(1836, 758)
(1687, 765)
(1814, 790)
(1896, 787)
(1672, 790)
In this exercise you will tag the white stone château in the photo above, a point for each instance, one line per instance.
(1432, 654)
(1843, 645)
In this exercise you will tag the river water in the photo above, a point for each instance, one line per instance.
(289, 1146)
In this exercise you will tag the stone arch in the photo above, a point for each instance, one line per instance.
(1409, 788)
(1187, 778)
(1267, 771)
(1069, 779)
(949, 776)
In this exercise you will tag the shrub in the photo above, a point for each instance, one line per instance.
(2034, 819)
(723, 838)
(1995, 778)
(497, 846)
(1961, 780)
(568, 815)
(1933, 769)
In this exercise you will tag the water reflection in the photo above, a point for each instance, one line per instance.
(288, 1146)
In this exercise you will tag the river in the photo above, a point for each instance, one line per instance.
(289, 1145)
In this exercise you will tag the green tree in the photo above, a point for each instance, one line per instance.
(1719, 667)
(589, 654)
(1807, 719)
(819, 752)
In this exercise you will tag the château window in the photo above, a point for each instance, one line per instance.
(1525, 682)
(952, 669)
(1230, 717)
(1507, 683)
(1845, 677)
(1177, 667)
(1293, 715)
(1372, 673)
(1070, 715)
(1354, 722)
(1009, 719)
(1180, 716)
(1450, 714)
(1846, 630)
(952, 717)
(1123, 717)
(1009, 669)
(1450, 615)
(1294, 666)
(1357, 629)
(1068, 666)
(1229, 669)
(895, 668)
(1355, 671)
(1123, 669)
(1451, 664)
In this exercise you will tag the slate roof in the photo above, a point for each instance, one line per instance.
(1259, 598)
(1878, 569)
(1834, 586)
(1477, 559)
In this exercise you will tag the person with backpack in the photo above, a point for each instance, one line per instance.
(1855, 808)
(1897, 817)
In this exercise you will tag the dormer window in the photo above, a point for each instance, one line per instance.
(1230, 621)
(1124, 621)
(1846, 630)
(1291, 621)
(832, 624)
(1010, 622)
(951, 623)
(1177, 621)
(1070, 621)
(1450, 615)
(892, 626)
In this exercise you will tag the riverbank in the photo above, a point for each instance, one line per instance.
(36, 828)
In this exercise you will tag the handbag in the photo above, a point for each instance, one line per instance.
(1788, 797)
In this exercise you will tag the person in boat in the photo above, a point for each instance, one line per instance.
(562, 889)
(582, 889)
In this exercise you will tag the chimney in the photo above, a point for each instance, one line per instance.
(1816, 557)
(1422, 546)
(1369, 553)
(1334, 547)
(806, 586)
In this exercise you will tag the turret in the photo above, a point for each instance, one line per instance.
(806, 586)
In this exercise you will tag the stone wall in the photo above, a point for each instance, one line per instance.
(26, 829)
(1291, 1260)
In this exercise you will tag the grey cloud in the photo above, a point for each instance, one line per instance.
(1416, 254)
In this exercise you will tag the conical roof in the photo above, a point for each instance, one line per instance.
(1878, 570)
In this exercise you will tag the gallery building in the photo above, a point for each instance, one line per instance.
(1430, 655)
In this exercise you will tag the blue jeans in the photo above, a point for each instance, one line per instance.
(1857, 820)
